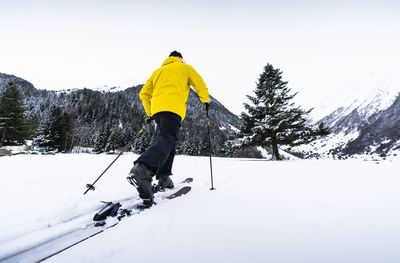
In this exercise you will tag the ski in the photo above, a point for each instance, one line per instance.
(180, 192)
(110, 210)
(114, 209)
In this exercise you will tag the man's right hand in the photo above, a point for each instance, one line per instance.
(206, 106)
(149, 119)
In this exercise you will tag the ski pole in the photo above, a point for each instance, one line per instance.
(209, 143)
(91, 186)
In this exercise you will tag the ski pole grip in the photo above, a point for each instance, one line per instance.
(206, 106)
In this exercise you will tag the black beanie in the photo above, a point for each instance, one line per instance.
(175, 54)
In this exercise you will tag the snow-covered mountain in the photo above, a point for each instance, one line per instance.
(119, 111)
(370, 124)
(26, 87)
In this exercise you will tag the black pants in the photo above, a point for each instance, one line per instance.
(160, 155)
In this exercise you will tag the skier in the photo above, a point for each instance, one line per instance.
(164, 99)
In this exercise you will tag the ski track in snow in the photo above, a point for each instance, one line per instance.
(262, 211)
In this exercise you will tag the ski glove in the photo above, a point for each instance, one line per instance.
(149, 119)
(206, 106)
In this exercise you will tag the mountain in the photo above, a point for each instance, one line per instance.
(26, 87)
(115, 114)
(370, 125)
(379, 134)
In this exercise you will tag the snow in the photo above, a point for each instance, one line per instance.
(286, 156)
(233, 128)
(325, 144)
(375, 92)
(264, 153)
(102, 88)
(394, 153)
(15, 149)
(230, 127)
(262, 211)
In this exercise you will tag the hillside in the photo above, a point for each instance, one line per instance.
(368, 126)
(107, 114)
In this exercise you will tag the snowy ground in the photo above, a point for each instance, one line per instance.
(262, 211)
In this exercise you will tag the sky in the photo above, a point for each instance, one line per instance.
(324, 48)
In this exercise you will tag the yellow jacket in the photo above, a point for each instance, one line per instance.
(168, 88)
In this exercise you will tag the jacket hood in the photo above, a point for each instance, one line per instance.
(170, 60)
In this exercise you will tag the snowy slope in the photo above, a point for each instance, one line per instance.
(374, 94)
(294, 211)
(367, 125)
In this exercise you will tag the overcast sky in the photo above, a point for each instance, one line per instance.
(321, 46)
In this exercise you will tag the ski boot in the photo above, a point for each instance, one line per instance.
(164, 182)
(147, 203)
(140, 177)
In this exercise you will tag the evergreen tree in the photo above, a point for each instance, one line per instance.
(101, 141)
(272, 119)
(204, 146)
(41, 139)
(67, 133)
(55, 126)
(13, 127)
(191, 147)
(56, 133)
(143, 142)
(115, 140)
(33, 124)
(146, 139)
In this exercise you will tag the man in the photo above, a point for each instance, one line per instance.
(164, 99)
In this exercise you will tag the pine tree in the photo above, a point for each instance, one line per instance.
(33, 123)
(114, 140)
(41, 139)
(191, 147)
(144, 141)
(13, 127)
(56, 132)
(67, 132)
(55, 128)
(101, 141)
(272, 119)
(204, 146)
